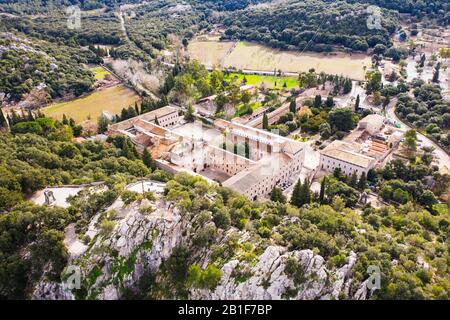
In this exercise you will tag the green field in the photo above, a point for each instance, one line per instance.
(99, 72)
(272, 82)
(111, 99)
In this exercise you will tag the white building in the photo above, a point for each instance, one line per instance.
(373, 123)
(277, 159)
(343, 155)
(251, 161)
(259, 180)
(167, 116)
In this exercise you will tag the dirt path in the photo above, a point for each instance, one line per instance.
(122, 25)
(222, 60)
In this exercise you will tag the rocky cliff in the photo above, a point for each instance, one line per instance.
(142, 240)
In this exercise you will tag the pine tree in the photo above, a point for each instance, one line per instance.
(277, 195)
(189, 116)
(148, 160)
(129, 150)
(305, 194)
(422, 61)
(362, 184)
(123, 114)
(64, 120)
(102, 124)
(357, 103)
(136, 107)
(30, 115)
(293, 106)
(372, 176)
(72, 123)
(354, 180)
(322, 190)
(265, 122)
(329, 103)
(392, 76)
(3, 121)
(131, 112)
(436, 74)
(317, 101)
(347, 86)
(295, 201)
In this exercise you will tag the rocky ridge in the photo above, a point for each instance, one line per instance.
(140, 242)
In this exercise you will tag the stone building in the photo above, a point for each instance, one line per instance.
(248, 160)
(343, 155)
(373, 123)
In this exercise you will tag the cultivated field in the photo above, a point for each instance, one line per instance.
(99, 72)
(251, 56)
(111, 99)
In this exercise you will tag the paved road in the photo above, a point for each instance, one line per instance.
(442, 157)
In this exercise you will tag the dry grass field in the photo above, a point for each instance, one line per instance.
(210, 53)
(257, 57)
(111, 99)
(252, 56)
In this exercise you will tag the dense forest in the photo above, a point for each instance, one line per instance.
(434, 9)
(40, 65)
(313, 25)
(41, 153)
(43, 6)
(427, 110)
(95, 29)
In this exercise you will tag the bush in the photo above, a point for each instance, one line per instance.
(107, 227)
(295, 271)
(130, 196)
(222, 219)
(206, 279)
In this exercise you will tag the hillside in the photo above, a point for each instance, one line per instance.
(202, 242)
(29, 66)
(311, 25)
